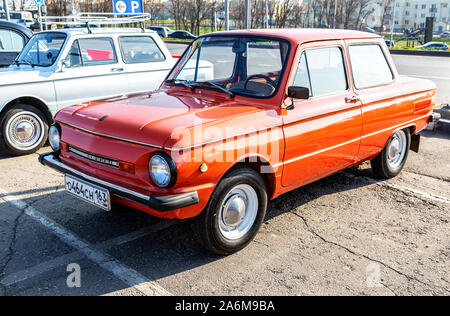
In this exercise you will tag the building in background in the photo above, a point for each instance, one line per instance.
(412, 14)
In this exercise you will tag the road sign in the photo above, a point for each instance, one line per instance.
(39, 2)
(128, 6)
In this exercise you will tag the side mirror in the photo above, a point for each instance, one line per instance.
(65, 64)
(300, 93)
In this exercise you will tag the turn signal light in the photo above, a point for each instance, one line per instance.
(64, 146)
(126, 167)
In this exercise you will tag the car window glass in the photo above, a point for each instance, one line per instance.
(140, 49)
(11, 41)
(369, 66)
(263, 58)
(75, 55)
(302, 76)
(97, 51)
(326, 71)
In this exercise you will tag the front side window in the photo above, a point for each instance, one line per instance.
(322, 71)
(11, 41)
(249, 66)
(75, 55)
(140, 49)
(369, 66)
(97, 51)
(43, 49)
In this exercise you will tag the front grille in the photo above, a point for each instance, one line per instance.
(95, 158)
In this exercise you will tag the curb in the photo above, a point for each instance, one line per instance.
(419, 52)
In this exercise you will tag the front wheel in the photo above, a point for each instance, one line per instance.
(234, 213)
(24, 130)
(390, 162)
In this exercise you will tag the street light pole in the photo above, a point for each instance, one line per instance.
(335, 13)
(6, 9)
(247, 15)
(393, 21)
(227, 15)
(267, 15)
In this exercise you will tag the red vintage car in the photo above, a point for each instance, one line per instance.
(242, 118)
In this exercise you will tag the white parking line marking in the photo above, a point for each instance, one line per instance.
(426, 195)
(49, 265)
(129, 276)
(423, 194)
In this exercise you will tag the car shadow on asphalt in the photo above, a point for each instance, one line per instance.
(170, 251)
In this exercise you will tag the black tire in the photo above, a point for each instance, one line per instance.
(380, 164)
(206, 225)
(10, 115)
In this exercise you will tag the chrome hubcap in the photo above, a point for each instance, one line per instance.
(238, 212)
(24, 131)
(397, 150)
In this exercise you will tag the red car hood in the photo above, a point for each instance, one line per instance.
(151, 118)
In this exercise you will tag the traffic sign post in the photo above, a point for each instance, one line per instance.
(128, 6)
(39, 4)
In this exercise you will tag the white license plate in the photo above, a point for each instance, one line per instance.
(88, 192)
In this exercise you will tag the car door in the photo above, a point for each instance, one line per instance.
(11, 44)
(146, 62)
(91, 71)
(322, 133)
(384, 101)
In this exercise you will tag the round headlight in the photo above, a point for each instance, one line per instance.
(54, 136)
(161, 170)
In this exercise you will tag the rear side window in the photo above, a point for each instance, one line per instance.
(11, 41)
(140, 49)
(322, 71)
(369, 65)
(97, 51)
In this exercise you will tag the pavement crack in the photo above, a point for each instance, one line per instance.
(408, 277)
(12, 244)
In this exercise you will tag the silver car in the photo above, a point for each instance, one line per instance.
(65, 67)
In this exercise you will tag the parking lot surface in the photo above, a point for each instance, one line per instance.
(346, 234)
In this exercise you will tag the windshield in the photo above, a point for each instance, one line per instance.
(250, 66)
(42, 50)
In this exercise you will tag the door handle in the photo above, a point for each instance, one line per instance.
(353, 99)
(117, 70)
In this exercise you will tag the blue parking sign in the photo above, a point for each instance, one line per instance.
(39, 2)
(128, 6)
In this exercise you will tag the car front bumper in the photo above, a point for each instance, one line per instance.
(160, 203)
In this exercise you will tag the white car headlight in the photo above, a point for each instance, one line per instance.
(54, 136)
(162, 170)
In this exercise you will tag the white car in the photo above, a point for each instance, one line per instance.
(434, 45)
(65, 67)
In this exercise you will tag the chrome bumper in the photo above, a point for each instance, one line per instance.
(161, 203)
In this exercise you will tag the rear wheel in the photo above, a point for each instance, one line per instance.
(24, 130)
(390, 162)
(234, 213)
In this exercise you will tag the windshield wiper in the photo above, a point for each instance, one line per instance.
(182, 82)
(218, 87)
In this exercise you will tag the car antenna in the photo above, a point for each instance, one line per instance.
(88, 28)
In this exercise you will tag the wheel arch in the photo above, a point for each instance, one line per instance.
(260, 165)
(32, 101)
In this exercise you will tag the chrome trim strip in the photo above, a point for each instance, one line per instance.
(52, 160)
(109, 136)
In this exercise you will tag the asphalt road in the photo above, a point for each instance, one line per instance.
(436, 69)
(348, 234)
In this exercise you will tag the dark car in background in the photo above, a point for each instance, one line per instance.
(390, 43)
(162, 31)
(13, 38)
(182, 35)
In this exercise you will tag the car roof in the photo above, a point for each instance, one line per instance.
(99, 30)
(17, 27)
(303, 35)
